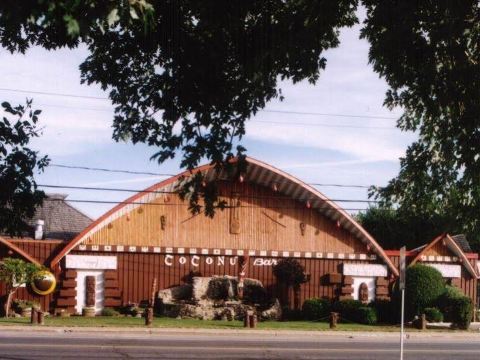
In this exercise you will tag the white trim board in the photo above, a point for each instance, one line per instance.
(91, 262)
(365, 270)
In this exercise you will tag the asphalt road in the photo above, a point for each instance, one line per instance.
(15, 345)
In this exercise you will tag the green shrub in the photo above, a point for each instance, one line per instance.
(348, 310)
(218, 289)
(462, 312)
(423, 287)
(109, 312)
(444, 302)
(433, 315)
(292, 314)
(254, 293)
(366, 315)
(388, 312)
(316, 309)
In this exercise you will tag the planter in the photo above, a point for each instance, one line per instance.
(26, 312)
(88, 311)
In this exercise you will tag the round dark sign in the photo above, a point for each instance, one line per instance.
(44, 282)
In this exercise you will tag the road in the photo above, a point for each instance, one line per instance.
(18, 345)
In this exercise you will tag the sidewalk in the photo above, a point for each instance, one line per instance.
(475, 334)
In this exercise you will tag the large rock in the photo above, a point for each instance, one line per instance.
(200, 288)
(176, 293)
(273, 313)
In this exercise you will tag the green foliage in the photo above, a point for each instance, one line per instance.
(388, 312)
(18, 305)
(394, 229)
(433, 314)
(18, 163)
(290, 272)
(433, 74)
(445, 301)
(348, 310)
(366, 315)
(462, 312)
(218, 289)
(316, 309)
(423, 287)
(110, 312)
(16, 272)
(254, 293)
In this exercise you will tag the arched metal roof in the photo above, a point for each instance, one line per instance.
(258, 173)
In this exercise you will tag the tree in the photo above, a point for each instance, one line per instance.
(393, 229)
(290, 273)
(190, 80)
(18, 163)
(430, 57)
(15, 273)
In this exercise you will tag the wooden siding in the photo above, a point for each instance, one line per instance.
(43, 251)
(439, 249)
(136, 272)
(268, 221)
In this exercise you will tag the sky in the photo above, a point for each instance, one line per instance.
(362, 148)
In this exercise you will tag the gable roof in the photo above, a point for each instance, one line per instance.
(62, 221)
(19, 251)
(258, 173)
(452, 246)
(462, 242)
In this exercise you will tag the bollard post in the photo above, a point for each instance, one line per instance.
(149, 316)
(41, 318)
(246, 319)
(34, 316)
(252, 320)
(333, 320)
(423, 322)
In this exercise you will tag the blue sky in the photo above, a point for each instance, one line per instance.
(77, 131)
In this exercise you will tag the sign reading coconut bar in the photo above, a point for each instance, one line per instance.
(365, 270)
(91, 262)
(447, 270)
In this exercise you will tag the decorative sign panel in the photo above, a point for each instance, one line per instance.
(365, 270)
(91, 262)
(447, 270)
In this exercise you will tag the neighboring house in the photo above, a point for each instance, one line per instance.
(54, 224)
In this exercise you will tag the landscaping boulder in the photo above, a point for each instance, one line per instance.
(273, 313)
(176, 293)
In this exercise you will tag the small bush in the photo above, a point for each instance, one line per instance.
(366, 315)
(254, 293)
(424, 285)
(218, 289)
(445, 301)
(462, 312)
(292, 314)
(387, 311)
(110, 312)
(433, 315)
(316, 309)
(348, 309)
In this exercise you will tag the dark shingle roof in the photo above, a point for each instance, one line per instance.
(462, 242)
(62, 221)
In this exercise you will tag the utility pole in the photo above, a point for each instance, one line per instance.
(402, 289)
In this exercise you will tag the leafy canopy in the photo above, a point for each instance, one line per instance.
(430, 57)
(16, 272)
(18, 163)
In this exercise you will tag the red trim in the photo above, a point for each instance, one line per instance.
(166, 182)
(471, 255)
(19, 251)
(397, 252)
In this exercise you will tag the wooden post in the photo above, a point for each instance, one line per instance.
(151, 303)
(34, 316)
(252, 320)
(149, 316)
(333, 320)
(41, 318)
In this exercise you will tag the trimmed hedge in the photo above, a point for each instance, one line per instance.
(388, 312)
(109, 312)
(348, 310)
(462, 312)
(433, 315)
(366, 315)
(445, 301)
(316, 309)
(423, 287)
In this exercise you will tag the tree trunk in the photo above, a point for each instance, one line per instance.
(8, 302)
(296, 297)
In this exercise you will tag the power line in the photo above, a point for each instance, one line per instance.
(267, 111)
(175, 204)
(163, 174)
(176, 192)
(324, 125)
